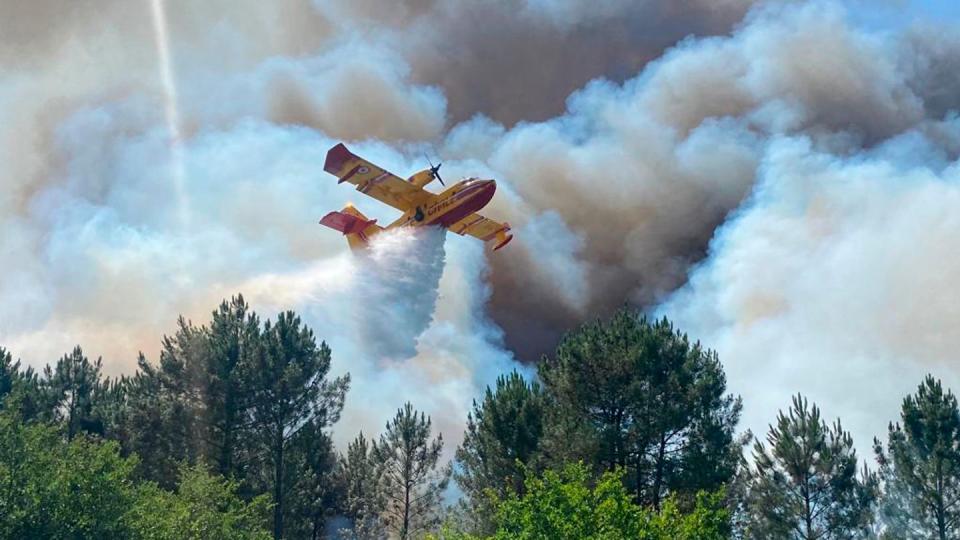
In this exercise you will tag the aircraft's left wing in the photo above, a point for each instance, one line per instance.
(485, 229)
(372, 180)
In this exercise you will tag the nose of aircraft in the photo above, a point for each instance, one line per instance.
(480, 192)
(488, 187)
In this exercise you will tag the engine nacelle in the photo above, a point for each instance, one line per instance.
(422, 178)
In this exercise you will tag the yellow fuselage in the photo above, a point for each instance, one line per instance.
(450, 206)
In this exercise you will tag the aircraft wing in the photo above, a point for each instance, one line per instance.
(372, 180)
(483, 228)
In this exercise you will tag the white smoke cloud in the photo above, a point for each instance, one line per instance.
(836, 280)
(851, 132)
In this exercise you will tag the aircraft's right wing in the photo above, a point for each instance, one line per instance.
(483, 228)
(374, 181)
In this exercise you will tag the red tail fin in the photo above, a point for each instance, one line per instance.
(346, 223)
(357, 227)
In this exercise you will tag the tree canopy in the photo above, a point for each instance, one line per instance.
(626, 431)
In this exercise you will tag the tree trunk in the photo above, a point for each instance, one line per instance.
(226, 441)
(406, 512)
(941, 511)
(71, 413)
(658, 476)
(638, 496)
(278, 487)
(619, 459)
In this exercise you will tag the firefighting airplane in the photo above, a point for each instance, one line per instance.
(455, 208)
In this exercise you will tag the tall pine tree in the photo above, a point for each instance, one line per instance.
(807, 485)
(358, 479)
(315, 493)
(289, 389)
(72, 388)
(232, 342)
(410, 480)
(921, 466)
(9, 374)
(500, 445)
(167, 406)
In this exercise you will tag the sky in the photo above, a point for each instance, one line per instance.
(779, 178)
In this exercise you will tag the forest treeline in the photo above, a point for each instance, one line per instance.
(626, 431)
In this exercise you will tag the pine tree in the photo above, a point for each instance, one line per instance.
(289, 389)
(111, 409)
(638, 395)
(410, 481)
(20, 390)
(500, 444)
(196, 399)
(9, 374)
(311, 472)
(807, 486)
(157, 425)
(167, 406)
(357, 478)
(921, 466)
(230, 345)
(72, 388)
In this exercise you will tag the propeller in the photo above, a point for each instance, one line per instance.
(435, 170)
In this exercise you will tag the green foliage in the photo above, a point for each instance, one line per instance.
(240, 408)
(84, 488)
(636, 394)
(921, 466)
(204, 507)
(409, 481)
(53, 489)
(807, 485)
(562, 504)
(501, 443)
(709, 519)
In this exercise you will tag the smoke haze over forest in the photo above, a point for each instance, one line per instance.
(779, 178)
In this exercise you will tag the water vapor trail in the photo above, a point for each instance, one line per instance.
(171, 109)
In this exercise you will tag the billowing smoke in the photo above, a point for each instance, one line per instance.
(141, 183)
(837, 279)
(800, 161)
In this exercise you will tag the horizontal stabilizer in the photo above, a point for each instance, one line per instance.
(346, 223)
